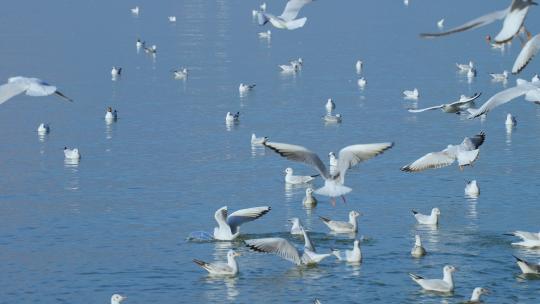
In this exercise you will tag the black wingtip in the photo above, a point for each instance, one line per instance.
(414, 211)
(199, 262)
(324, 219)
(518, 259)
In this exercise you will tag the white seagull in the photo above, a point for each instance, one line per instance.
(221, 269)
(292, 179)
(139, 44)
(499, 77)
(531, 90)
(231, 118)
(514, 17)
(258, 140)
(465, 67)
(284, 249)
(463, 103)
(349, 157)
(343, 227)
(527, 267)
(359, 64)
(181, 73)
(135, 10)
(111, 114)
(43, 128)
(309, 200)
(477, 293)
(29, 86)
(332, 118)
(330, 105)
(296, 228)
(444, 285)
(471, 73)
(440, 23)
(116, 71)
(172, 18)
(465, 153)
(526, 54)
(117, 299)
(529, 239)
(229, 225)
(418, 250)
(71, 153)
(351, 256)
(510, 120)
(151, 50)
(471, 189)
(287, 19)
(265, 35)
(244, 88)
(411, 94)
(362, 82)
(432, 219)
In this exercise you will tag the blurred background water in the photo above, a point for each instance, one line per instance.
(117, 221)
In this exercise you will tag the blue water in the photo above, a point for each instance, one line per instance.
(117, 221)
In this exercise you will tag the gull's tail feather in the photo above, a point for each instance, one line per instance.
(200, 263)
(415, 277)
(295, 24)
(324, 219)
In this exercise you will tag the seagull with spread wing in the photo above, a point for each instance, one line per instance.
(229, 224)
(529, 50)
(513, 18)
(465, 153)
(455, 107)
(348, 157)
(29, 86)
(287, 19)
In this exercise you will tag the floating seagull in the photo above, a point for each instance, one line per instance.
(117, 299)
(111, 114)
(440, 23)
(330, 105)
(526, 54)
(297, 227)
(298, 63)
(296, 179)
(287, 19)
(477, 292)
(309, 200)
(263, 6)
(244, 88)
(362, 82)
(43, 128)
(471, 73)
(432, 219)
(181, 73)
(411, 94)
(172, 18)
(499, 77)
(527, 267)
(29, 86)
(471, 189)
(465, 153)
(332, 118)
(343, 227)
(351, 256)
(71, 153)
(116, 71)
(229, 225)
(465, 67)
(510, 120)
(284, 249)
(265, 35)
(139, 44)
(230, 118)
(531, 90)
(221, 269)
(514, 17)
(258, 140)
(529, 239)
(288, 68)
(151, 50)
(444, 285)
(463, 103)
(418, 250)
(135, 10)
(348, 158)
(359, 64)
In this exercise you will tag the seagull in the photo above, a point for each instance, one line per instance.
(444, 285)
(455, 107)
(411, 94)
(529, 239)
(296, 179)
(221, 269)
(298, 63)
(29, 86)
(135, 10)
(229, 225)
(432, 219)
(297, 227)
(440, 23)
(526, 54)
(116, 71)
(499, 77)
(527, 267)
(465, 153)
(330, 105)
(362, 82)
(111, 114)
(287, 19)
(510, 120)
(71, 153)
(309, 200)
(418, 250)
(359, 64)
(151, 50)
(258, 140)
(117, 299)
(343, 227)
(471, 189)
(265, 35)
(244, 88)
(477, 292)
(514, 17)
(471, 73)
(287, 251)
(172, 18)
(531, 90)
(181, 73)
(351, 256)
(263, 7)
(535, 78)
(348, 158)
(289, 68)
(332, 118)
(139, 44)
(43, 128)
(230, 118)
(465, 67)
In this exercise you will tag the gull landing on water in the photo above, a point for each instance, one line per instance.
(463, 103)
(29, 86)
(444, 285)
(514, 17)
(229, 225)
(117, 299)
(343, 227)
(287, 19)
(221, 269)
(432, 219)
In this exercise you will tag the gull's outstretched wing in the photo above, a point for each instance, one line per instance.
(466, 101)
(293, 8)
(308, 244)
(431, 160)
(9, 90)
(513, 21)
(299, 154)
(478, 22)
(425, 109)
(242, 216)
(526, 55)
(278, 246)
(474, 142)
(500, 98)
(350, 156)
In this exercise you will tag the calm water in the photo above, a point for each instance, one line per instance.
(117, 222)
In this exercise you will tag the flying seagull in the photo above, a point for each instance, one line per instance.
(526, 55)
(287, 19)
(29, 86)
(229, 224)
(454, 107)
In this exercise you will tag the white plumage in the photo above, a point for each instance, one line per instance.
(229, 225)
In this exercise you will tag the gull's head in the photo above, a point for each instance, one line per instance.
(294, 221)
(449, 268)
(478, 291)
(330, 101)
(356, 243)
(289, 171)
(354, 214)
(232, 254)
(436, 211)
(505, 73)
(300, 60)
(331, 155)
(309, 191)
(472, 183)
(109, 109)
(116, 298)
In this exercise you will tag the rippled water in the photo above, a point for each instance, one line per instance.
(117, 221)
